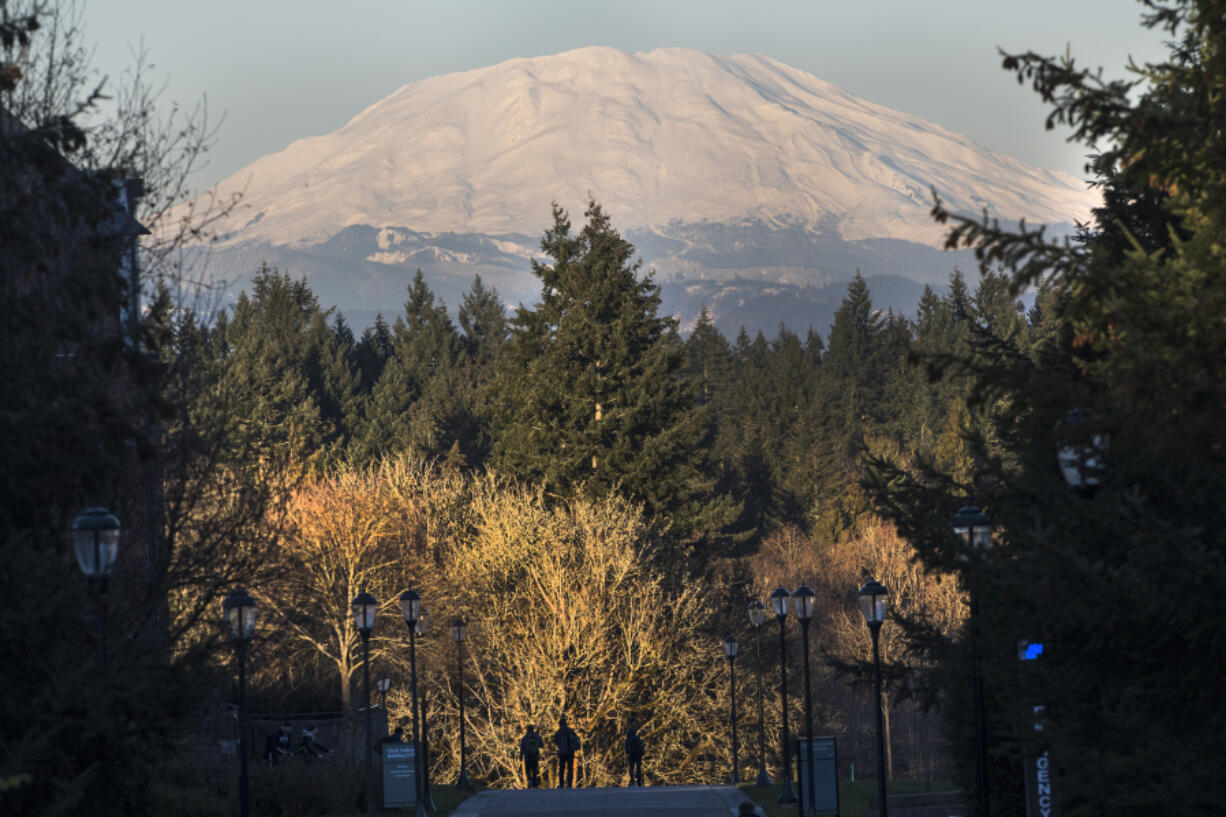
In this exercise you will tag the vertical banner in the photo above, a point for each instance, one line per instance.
(1040, 776)
(1039, 802)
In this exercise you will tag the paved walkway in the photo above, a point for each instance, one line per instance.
(649, 801)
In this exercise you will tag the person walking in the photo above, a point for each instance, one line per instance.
(309, 747)
(530, 746)
(634, 757)
(279, 744)
(567, 744)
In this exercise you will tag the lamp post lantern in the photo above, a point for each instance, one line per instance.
(973, 529)
(1080, 462)
(383, 685)
(803, 597)
(873, 598)
(459, 634)
(365, 606)
(779, 604)
(757, 616)
(239, 612)
(95, 540)
(731, 645)
(411, 609)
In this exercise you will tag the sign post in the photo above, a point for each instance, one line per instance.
(399, 775)
(824, 799)
(1040, 775)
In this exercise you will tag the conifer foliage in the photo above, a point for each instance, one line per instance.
(593, 396)
(1120, 579)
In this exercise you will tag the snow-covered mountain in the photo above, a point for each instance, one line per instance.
(717, 167)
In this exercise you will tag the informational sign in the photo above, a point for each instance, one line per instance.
(399, 775)
(825, 793)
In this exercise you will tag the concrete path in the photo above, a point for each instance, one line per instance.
(649, 801)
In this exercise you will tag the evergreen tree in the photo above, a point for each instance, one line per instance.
(291, 369)
(708, 360)
(1129, 333)
(415, 404)
(483, 320)
(372, 352)
(847, 404)
(592, 395)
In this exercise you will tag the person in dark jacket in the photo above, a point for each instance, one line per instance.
(309, 747)
(634, 757)
(567, 743)
(279, 744)
(530, 746)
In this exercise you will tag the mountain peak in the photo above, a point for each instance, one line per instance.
(659, 137)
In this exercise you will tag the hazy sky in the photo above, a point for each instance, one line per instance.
(279, 70)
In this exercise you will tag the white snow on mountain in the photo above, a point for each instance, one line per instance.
(670, 136)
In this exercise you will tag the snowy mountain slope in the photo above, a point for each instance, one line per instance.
(663, 138)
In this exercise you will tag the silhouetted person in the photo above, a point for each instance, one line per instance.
(397, 736)
(530, 746)
(279, 744)
(567, 743)
(309, 747)
(634, 757)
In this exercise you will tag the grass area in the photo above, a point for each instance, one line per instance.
(853, 797)
(448, 798)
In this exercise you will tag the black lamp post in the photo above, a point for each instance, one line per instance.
(804, 611)
(459, 634)
(364, 608)
(411, 608)
(423, 626)
(383, 685)
(95, 539)
(974, 529)
(238, 610)
(731, 645)
(779, 603)
(757, 615)
(873, 598)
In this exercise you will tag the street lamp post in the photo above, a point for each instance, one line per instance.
(411, 608)
(779, 603)
(757, 615)
(804, 611)
(383, 685)
(423, 626)
(873, 598)
(238, 610)
(974, 530)
(459, 634)
(731, 645)
(95, 540)
(364, 608)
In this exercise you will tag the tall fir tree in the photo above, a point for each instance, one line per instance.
(592, 396)
(1118, 579)
(292, 369)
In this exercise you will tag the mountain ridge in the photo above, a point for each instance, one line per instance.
(664, 136)
(715, 166)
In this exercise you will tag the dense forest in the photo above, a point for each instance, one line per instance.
(497, 457)
(600, 498)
